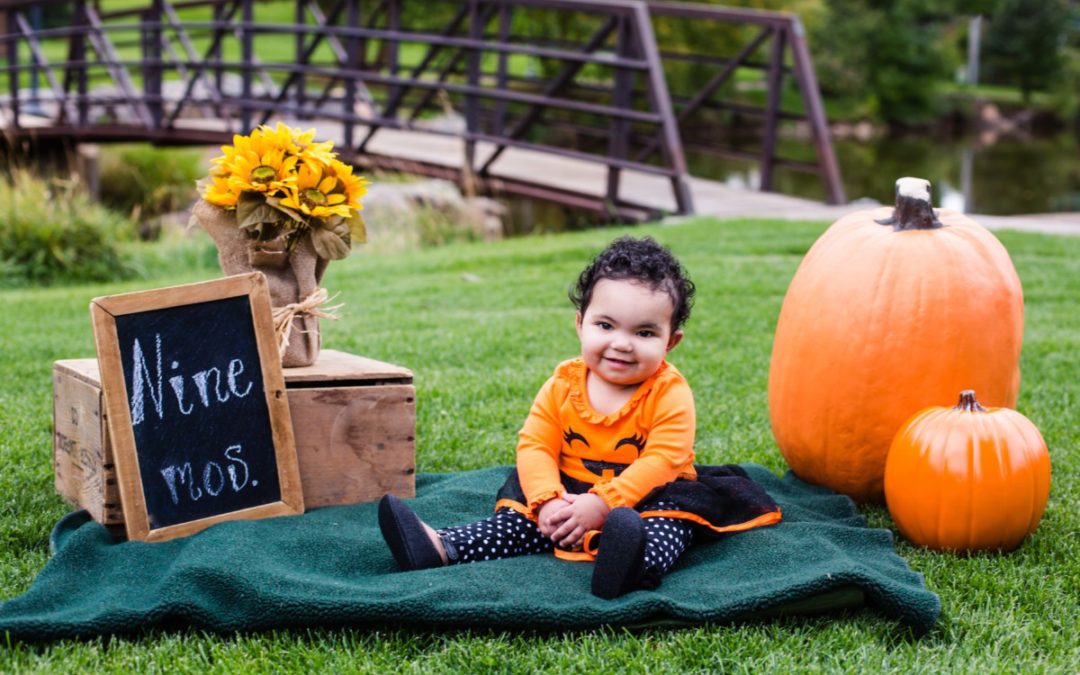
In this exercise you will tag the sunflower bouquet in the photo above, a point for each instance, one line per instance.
(279, 202)
(282, 183)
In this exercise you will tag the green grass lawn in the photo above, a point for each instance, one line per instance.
(482, 325)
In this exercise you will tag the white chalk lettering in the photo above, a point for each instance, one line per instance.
(141, 380)
(147, 380)
(207, 474)
(236, 366)
(177, 384)
(221, 396)
(202, 378)
(169, 474)
(183, 475)
(213, 477)
(237, 485)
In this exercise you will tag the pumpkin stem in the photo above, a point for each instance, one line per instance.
(968, 403)
(913, 208)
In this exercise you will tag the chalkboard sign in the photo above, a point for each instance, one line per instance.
(196, 406)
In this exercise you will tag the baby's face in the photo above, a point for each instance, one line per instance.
(625, 331)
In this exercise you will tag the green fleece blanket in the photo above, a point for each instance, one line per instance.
(331, 567)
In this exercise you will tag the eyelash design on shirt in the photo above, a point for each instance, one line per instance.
(572, 435)
(637, 440)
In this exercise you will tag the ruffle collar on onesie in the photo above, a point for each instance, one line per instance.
(576, 371)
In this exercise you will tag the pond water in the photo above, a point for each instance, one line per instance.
(1004, 176)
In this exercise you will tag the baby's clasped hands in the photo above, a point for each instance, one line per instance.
(566, 520)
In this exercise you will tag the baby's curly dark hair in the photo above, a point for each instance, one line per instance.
(642, 260)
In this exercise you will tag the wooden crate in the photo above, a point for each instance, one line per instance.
(354, 421)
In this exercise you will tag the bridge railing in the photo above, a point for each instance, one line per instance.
(774, 45)
(499, 84)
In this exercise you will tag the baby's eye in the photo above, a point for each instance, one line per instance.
(646, 333)
(604, 324)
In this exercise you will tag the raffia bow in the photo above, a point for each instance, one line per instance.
(310, 306)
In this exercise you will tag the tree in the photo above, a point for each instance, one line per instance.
(888, 52)
(1024, 44)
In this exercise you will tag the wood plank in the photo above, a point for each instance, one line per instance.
(332, 366)
(355, 444)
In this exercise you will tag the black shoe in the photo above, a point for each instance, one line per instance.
(406, 537)
(621, 559)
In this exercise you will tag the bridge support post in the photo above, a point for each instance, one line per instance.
(77, 54)
(815, 113)
(301, 58)
(152, 62)
(472, 112)
(354, 62)
(13, 71)
(88, 164)
(772, 109)
(618, 127)
(669, 126)
(247, 49)
(505, 19)
(215, 51)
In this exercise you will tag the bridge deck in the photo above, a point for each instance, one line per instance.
(649, 193)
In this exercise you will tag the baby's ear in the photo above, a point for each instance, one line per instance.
(674, 340)
(577, 320)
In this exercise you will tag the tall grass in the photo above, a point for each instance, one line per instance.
(50, 231)
(147, 182)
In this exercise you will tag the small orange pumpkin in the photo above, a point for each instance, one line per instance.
(967, 478)
(891, 311)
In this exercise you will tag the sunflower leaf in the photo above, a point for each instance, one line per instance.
(252, 209)
(331, 243)
(357, 228)
(275, 203)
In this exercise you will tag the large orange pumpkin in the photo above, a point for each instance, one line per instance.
(967, 478)
(892, 310)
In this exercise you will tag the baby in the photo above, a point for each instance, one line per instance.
(605, 460)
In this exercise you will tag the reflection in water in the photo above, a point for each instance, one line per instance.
(1008, 177)
(1011, 176)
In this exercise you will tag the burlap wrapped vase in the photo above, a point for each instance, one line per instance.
(293, 277)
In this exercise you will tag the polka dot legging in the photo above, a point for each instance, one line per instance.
(665, 541)
(504, 535)
(508, 533)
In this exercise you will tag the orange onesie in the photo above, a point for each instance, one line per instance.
(624, 456)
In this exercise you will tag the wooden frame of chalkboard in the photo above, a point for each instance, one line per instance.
(194, 442)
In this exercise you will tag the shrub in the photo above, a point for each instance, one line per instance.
(889, 53)
(50, 231)
(147, 182)
(175, 253)
(1023, 45)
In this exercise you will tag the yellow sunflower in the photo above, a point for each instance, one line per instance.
(218, 192)
(268, 172)
(353, 187)
(256, 163)
(302, 144)
(285, 137)
(313, 194)
(321, 154)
